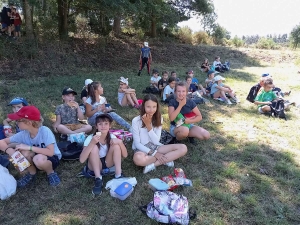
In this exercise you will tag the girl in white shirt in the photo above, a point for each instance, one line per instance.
(103, 150)
(146, 130)
(97, 104)
(126, 95)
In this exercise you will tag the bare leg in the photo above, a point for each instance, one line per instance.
(199, 133)
(85, 128)
(64, 130)
(129, 99)
(266, 108)
(29, 156)
(94, 162)
(221, 94)
(133, 97)
(42, 163)
(181, 132)
(114, 157)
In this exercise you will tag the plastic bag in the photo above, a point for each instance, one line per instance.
(8, 184)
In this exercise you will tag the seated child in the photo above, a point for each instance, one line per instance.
(219, 91)
(84, 92)
(126, 95)
(7, 129)
(163, 82)
(67, 115)
(103, 150)
(195, 81)
(37, 144)
(173, 74)
(169, 89)
(205, 67)
(154, 79)
(266, 96)
(97, 104)
(209, 80)
(219, 66)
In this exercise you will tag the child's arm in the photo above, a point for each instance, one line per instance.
(196, 118)
(79, 113)
(262, 103)
(56, 123)
(129, 91)
(6, 122)
(87, 149)
(120, 90)
(48, 150)
(116, 141)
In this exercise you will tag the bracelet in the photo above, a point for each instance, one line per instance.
(30, 148)
(6, 149)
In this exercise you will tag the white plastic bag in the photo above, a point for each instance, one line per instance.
(8, 184)
(114, 183)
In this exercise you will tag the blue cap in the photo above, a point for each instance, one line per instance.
(265, 75)
(17, 101)
(210, 72)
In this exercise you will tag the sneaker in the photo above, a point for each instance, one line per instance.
(63, 137)
(169, 164)
(229, 102)
(192, 140)
(97, 189)
(108, 171)
(53, 179)
(149, 168)
(139, 73)
(122, 176)
(25, 180)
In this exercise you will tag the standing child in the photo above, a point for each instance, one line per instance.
(16, 104)
(67, 115)
(145, 58)
(146, 127)
(103, 150)
(163, 82)
(126, 95)
(97, 105)
(219, 91)
(37, 144)
(17, 22)
(169, 89)
(154, 79)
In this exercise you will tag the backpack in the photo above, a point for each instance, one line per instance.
(166, 137)
(151, 90)
(70, 151)
(277, 109)
(168, 207)
(253, 93)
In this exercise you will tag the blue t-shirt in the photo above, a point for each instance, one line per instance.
(145, 52)
(195, 80)
(193, 87)
(187, 108)
(214, 88)
(43, 138)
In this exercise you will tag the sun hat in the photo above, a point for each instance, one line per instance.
(68, 90)
(217, 78)
(146, 44)
(18, 100)
(26, 112)
(123, 80)
(87, 82)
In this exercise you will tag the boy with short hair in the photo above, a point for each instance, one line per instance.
(154, 79)
(145, 58)
(67, 115)
(17, 22)
(169, 89)
(163, 82)
(173, 74)
(16, 104)
(37, 144)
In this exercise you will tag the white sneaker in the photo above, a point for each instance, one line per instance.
(229, 102)
(237, 100)
(169, 164)
(149, 168)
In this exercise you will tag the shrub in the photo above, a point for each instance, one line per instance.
(237, 42)
(295, 36)
(185, 35)
(265, 43)
(201, 37)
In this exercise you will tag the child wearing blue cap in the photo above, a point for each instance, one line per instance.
(7, 130)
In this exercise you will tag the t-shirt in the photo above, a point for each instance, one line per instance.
(84, 93)
(187, 108)
(67, 114)
(204, 65)
(103, 148)
(162, 82)
(265, 97)
(102, 101)
(43, 138)
(155, 79)
(195, 80)
(193, 87)
(167, 91)
(17, 22)
(208, 83)
(217, 64)
(145, 52)
(214, 88)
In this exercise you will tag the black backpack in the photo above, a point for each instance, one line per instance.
(277, 109)
(70, 151)
(253, 93)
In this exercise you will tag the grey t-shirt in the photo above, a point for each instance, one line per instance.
(67, 114)
(43, 138)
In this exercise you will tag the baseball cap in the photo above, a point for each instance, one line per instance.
(123, 80)
(265, 75)
(26, 112)
(18, 100)
(190, 71)
(154, 71)
(68, 90)
(217, 78)
(146, 44)
(87, 82)
(104, 115)
(210, 72)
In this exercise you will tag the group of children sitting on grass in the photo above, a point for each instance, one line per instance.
(101, 149)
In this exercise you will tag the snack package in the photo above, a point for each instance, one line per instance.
(179, 173)
(79, 137)
(98, 133)
(170, 181)
(125, 136)
(179, 120)
(19, 161)
(183, 181)
(7, 130)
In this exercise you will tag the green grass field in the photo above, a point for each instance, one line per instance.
(247, 173)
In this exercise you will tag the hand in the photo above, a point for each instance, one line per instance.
(73, 104)
(96, 139)
(55, 129)
(101, 107)
(269, 103)
(22, 147)
(115, 141)
(161, 158)
(182, 102)
(147, 119)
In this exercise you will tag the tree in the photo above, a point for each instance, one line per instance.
(63, 12)
(28, 14)
(295, 36)
(219, 33)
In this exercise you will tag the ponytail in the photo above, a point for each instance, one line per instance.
(92, 87)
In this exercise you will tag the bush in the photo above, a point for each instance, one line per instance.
(201, 37)
(237, 42)
(185, 35)
(265, 43)
(295, 36)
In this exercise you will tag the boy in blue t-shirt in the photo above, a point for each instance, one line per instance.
(145, 58)
(36, 142)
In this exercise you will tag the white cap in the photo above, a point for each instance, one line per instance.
(217, 78)
(146, 44)
(124, 80)
(87, 82)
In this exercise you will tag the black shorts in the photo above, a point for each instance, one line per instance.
(54, 160)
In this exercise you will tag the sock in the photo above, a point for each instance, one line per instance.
(99, 177)
(117, 176)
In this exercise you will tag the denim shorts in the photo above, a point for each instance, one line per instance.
(172, 128)
(18, 28)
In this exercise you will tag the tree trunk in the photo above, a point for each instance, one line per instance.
(63, 10)
(117, 25)
(28, 19)
(153, 27)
